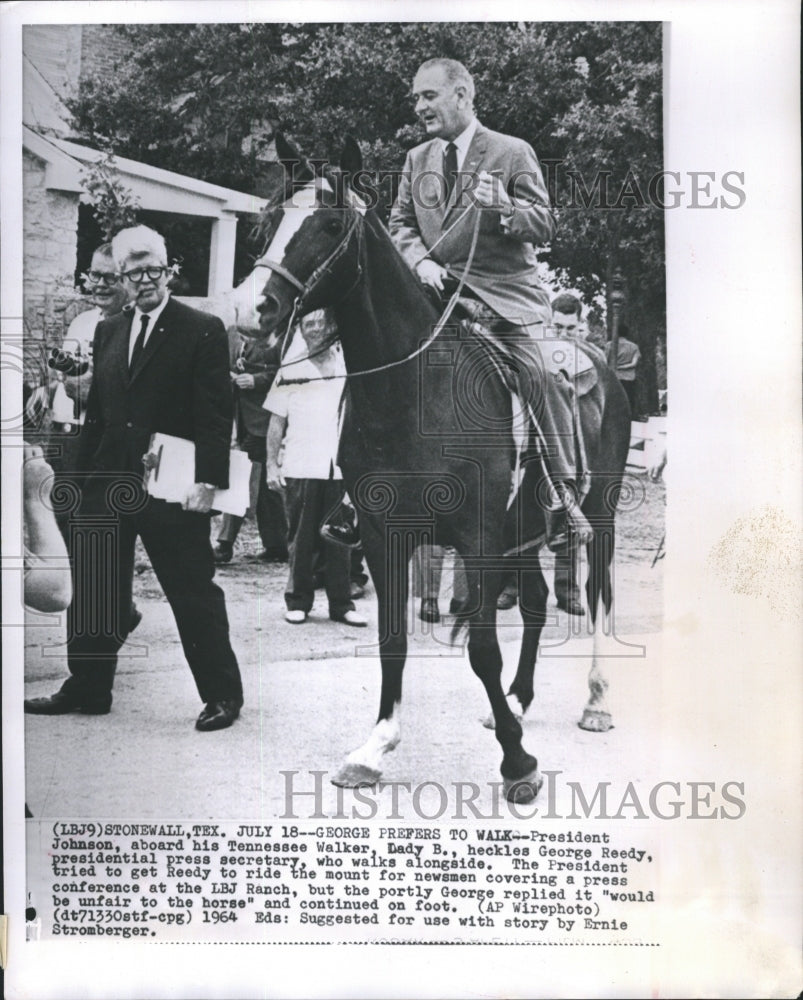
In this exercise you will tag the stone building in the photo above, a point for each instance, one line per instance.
(55, 216)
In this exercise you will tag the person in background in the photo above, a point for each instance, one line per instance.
(160, 366)
(108, 296)
(427, 563)
(628, 357)
(254, 368)
(304, 418)
(47, 583)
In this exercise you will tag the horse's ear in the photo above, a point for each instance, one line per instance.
(350, 157)
(295, 163)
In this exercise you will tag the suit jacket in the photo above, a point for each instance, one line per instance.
(262, 361)
(180, 386)
(503, 272)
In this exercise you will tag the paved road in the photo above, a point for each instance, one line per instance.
(312, 694)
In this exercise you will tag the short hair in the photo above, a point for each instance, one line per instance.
(105, 250)
(567, 303)
(456, 73)
(136, 241)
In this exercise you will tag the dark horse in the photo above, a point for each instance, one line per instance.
(426, 447)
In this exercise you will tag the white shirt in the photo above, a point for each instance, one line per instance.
(311, 410)
(136, 323)
(81, 331)
(462, 142)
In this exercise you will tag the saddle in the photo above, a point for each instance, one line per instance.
(547, 353)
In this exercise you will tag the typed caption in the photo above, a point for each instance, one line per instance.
(284, 881)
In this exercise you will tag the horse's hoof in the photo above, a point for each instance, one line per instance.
(356, 776)
(596, 722)
(523, 790)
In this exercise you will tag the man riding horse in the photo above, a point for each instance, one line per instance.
(462, 171)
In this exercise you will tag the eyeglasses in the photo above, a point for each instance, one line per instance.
(137, 274)
(102, 277)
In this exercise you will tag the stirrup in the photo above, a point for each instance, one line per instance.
(576, 522)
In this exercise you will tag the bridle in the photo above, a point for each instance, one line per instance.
(306, 288)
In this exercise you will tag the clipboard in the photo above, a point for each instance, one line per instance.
(170, 473)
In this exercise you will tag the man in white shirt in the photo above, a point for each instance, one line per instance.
(107, 294)
(304, 402)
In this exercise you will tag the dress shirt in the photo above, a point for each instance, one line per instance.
(462, 142)
(136, 325)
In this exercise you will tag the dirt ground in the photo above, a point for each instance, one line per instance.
(312, 691)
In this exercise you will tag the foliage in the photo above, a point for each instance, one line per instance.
(113, 205)
(205, 99)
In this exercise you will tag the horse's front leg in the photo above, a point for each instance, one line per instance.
(533, 592)
(363, 766)
(521, 777)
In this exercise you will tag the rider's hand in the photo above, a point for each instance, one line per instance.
(490, 192)
(431, 273)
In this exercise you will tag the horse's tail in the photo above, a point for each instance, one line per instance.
(606, 490)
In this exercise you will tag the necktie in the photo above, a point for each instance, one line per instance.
(450, 168)
(139, 343)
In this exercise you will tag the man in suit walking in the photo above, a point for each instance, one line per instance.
(158, 366)
(462, 170)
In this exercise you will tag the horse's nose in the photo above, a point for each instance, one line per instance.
(268, 308)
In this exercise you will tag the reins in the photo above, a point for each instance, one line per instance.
(444, 318)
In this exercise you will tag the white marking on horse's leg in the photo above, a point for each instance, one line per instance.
(363, 766)
(596, 715)
(515, 707)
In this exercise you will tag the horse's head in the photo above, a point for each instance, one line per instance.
(311, 244)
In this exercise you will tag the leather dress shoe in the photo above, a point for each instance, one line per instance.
(218, 715)
(507, 599)
(571, 606)
(429, 610)
(273, 555)
(350, 618)
(223, 552)
(61, 703)
(347, 535)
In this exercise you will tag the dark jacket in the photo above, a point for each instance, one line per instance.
(261, 360)
(180, 386)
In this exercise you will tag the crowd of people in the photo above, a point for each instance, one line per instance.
(157, 365)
